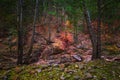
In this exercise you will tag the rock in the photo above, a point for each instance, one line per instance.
(92, 71)
(118, 45)
(76, 66)
(62, 78)
(5, 78)
(51, 57)
(77, 57)
(55, 65)
(51, 76)
(76, 77)
(1, 40)
(0, 66)
(38, 70)
(47, 52)
(1, 60)
(62, 69)
(65, 70)
(65, 59)
(89, 68)
(80, 46)
(81, 66)
(95, 77)
(105, 52)
(103, 79)
(116, 59)
(88, 52)
(70, 71)
(44, 67)
(87, 58)
(51, 62)
(88, 76)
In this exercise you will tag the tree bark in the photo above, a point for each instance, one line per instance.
(90, 30)
(99, 29)
(20, 32)
(75, 31)
(33, 34)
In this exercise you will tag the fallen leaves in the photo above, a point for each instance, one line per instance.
(113, 48)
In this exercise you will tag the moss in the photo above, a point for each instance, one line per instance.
(98, 69)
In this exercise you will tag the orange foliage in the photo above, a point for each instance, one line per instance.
(58, 43)
(67, 36)
(68, 24)
(64, 40)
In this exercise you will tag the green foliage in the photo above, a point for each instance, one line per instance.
(111, 10)
(73, 8)
(52, 13)
(7, 14)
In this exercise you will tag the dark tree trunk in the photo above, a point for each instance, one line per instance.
(90, 30)
(20, 32)
(75, 32)
(33, 34)
(50, 21)
(99, 30)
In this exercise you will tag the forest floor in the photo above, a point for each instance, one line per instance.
(62, 60)
(92, 70)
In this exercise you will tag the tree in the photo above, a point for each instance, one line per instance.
(95, 38)
(33, 33)
(20, 32)
(98, 31)
(90, 30)
(49, 28)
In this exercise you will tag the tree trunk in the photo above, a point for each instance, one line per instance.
(33, 34)
(85, 27)
(20, 33)
(75, 32)
(90, 30)
(99, 30)
(49, 23)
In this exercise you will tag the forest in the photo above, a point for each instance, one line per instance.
(59, 40)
